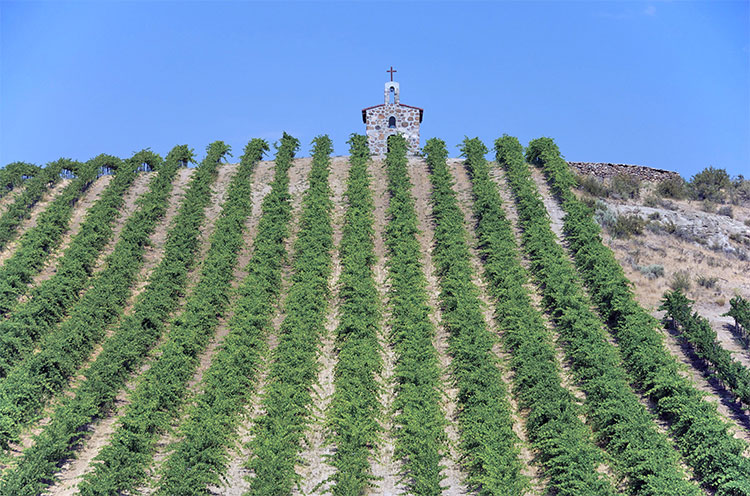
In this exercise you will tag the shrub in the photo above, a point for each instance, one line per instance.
(674, 187)
(624, 186)
(727, 211)
(747, 222)
(680, 280)
(652, 201)
(627, 225)
(710, 184)
(707, 282)
(652, 271)
(708, 206)
(654, 216)
(593, 186)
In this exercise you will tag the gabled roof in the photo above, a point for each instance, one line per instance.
(364, 110)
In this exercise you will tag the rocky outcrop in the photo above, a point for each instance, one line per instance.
(607, 170)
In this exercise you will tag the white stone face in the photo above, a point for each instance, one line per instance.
(406, 123)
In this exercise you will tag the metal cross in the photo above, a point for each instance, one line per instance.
(392, 70)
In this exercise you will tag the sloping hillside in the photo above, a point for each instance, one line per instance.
(377, 325)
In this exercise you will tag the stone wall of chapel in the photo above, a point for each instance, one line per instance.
(407, 124)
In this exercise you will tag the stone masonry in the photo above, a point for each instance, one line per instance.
(392, 117)
(607, 170)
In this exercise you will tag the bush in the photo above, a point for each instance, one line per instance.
(707, 282)
(672, 188)
(747, 222)
(727, 211)
(593, 186)
(711, 184)
(680, 280)
(624, 186)
(627, 225)
(708, 206)
(652, 201)
(652, 271)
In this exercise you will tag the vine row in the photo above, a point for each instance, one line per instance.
(31, 382)
(125, 351)
(739, 310)
(37, 243)
(49, 302)
(200, 457)
(702, 437)
(355, 407)
(489, 445)
(420, 424)
(123, 463)
(697, 331)
(640, 454)
(33, 191)
(563, 442)
(275, 447)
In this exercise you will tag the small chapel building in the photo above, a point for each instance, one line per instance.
(392, 117)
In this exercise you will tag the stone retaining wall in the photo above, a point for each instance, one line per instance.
(607, 170)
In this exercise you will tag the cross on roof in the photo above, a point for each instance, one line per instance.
(392, 70)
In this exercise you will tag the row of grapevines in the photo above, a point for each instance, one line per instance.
(563, 442)
(123, 463)
(33, 191)
(420, 434)
(32, 381)
(200, 457)
(288, 399)
(489, 445)
(15, 174)
(702, 437)
(740, 311)
(125, 351)
(51, 299)
(640, 453)
(355, 407)
(37, 243)
(698, 332)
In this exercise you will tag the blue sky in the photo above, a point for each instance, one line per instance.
(664, 84)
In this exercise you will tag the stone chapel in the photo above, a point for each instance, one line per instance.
(392, 117)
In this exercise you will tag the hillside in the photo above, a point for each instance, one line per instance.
(365, 325)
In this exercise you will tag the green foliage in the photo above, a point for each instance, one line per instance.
(563, 442)
(740, 311)
(51, 300)
(420, 434)
(63, 350)
(161, 391)
(700, 434)
(711, 184)
(288, 398)
(355, 407)
(16, 174)
(626, 225)
(640, 454)
(37, 243)
(33, 191)
(488, 443)
(228, 383)
(680, 281)
(593, 186)
(624, 186)
(674, 187)
(697, 331)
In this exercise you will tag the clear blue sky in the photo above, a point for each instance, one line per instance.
(664, 84)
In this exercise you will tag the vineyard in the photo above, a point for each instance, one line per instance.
(359, 325)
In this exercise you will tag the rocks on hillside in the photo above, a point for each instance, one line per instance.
(607, 170)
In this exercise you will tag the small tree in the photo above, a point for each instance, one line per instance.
(711, 184)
